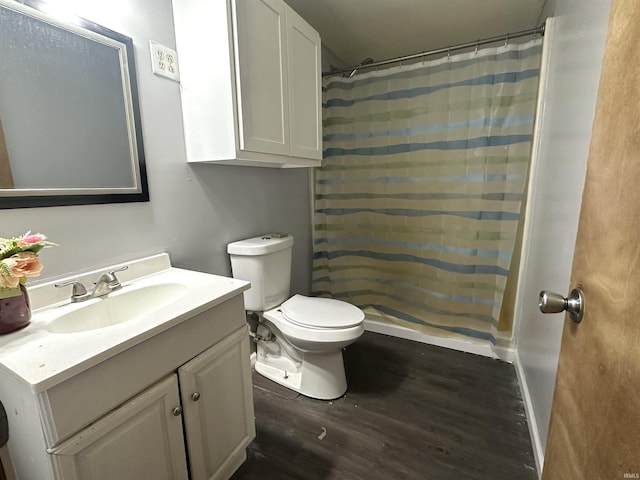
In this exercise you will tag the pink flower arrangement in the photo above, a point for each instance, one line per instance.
(19, 259)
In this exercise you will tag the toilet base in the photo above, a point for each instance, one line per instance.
(318, 376)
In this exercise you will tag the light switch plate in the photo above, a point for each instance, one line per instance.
(164, 61)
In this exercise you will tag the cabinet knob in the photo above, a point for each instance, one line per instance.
(195, 397)
(177, 411)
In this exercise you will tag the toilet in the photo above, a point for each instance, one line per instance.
(299, 339)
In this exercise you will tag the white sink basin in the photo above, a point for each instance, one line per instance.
(124, 305)
(67, 338)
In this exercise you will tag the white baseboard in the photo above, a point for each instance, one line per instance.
(503, 353)
(538, 448)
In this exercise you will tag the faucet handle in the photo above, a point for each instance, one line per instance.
(119, 269)
(112, 273)
(78, 288)
(110, 276)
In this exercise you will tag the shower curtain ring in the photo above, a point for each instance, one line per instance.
(448, 54)
(477, 45)
(506, 40)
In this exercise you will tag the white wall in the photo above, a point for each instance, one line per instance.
(330, 59)
(575, 62)
(194, 210)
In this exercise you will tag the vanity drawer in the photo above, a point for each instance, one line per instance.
(81, 400)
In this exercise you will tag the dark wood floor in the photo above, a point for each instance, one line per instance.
(412, 411)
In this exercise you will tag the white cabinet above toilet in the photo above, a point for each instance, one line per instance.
(250, 83)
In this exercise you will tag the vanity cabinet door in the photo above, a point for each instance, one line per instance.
(218, 407)
(142, 439)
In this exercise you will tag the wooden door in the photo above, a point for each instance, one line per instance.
(142, 439)
(217, 396)
(595, 419)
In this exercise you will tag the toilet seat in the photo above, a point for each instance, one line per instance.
(311, 321)
(311, 338)
(321, 313)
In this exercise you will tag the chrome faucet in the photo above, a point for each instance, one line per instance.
(107, 283)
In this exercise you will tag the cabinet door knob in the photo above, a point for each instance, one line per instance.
(195, 397)
(177, 411)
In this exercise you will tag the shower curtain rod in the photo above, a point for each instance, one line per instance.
(523, 33)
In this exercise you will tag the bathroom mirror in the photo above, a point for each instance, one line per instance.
(70, 130)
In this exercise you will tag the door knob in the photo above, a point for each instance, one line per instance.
(550, 302)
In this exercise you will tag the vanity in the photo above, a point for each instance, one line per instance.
(151, 381)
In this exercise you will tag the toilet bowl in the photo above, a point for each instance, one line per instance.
(305, 352)
(300, 340)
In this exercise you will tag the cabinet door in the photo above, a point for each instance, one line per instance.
(218, 407)
(305, 91)
(142, 439)
(261, 59)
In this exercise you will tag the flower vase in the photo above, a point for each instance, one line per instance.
(15, 311)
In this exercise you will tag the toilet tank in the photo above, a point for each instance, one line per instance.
(264, 261)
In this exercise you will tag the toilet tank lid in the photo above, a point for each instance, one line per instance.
(260, 245)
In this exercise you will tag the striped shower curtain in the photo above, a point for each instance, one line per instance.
(418, 200)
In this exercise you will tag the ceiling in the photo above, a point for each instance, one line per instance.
(382, 29)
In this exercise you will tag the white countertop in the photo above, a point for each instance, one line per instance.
(43, 359)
